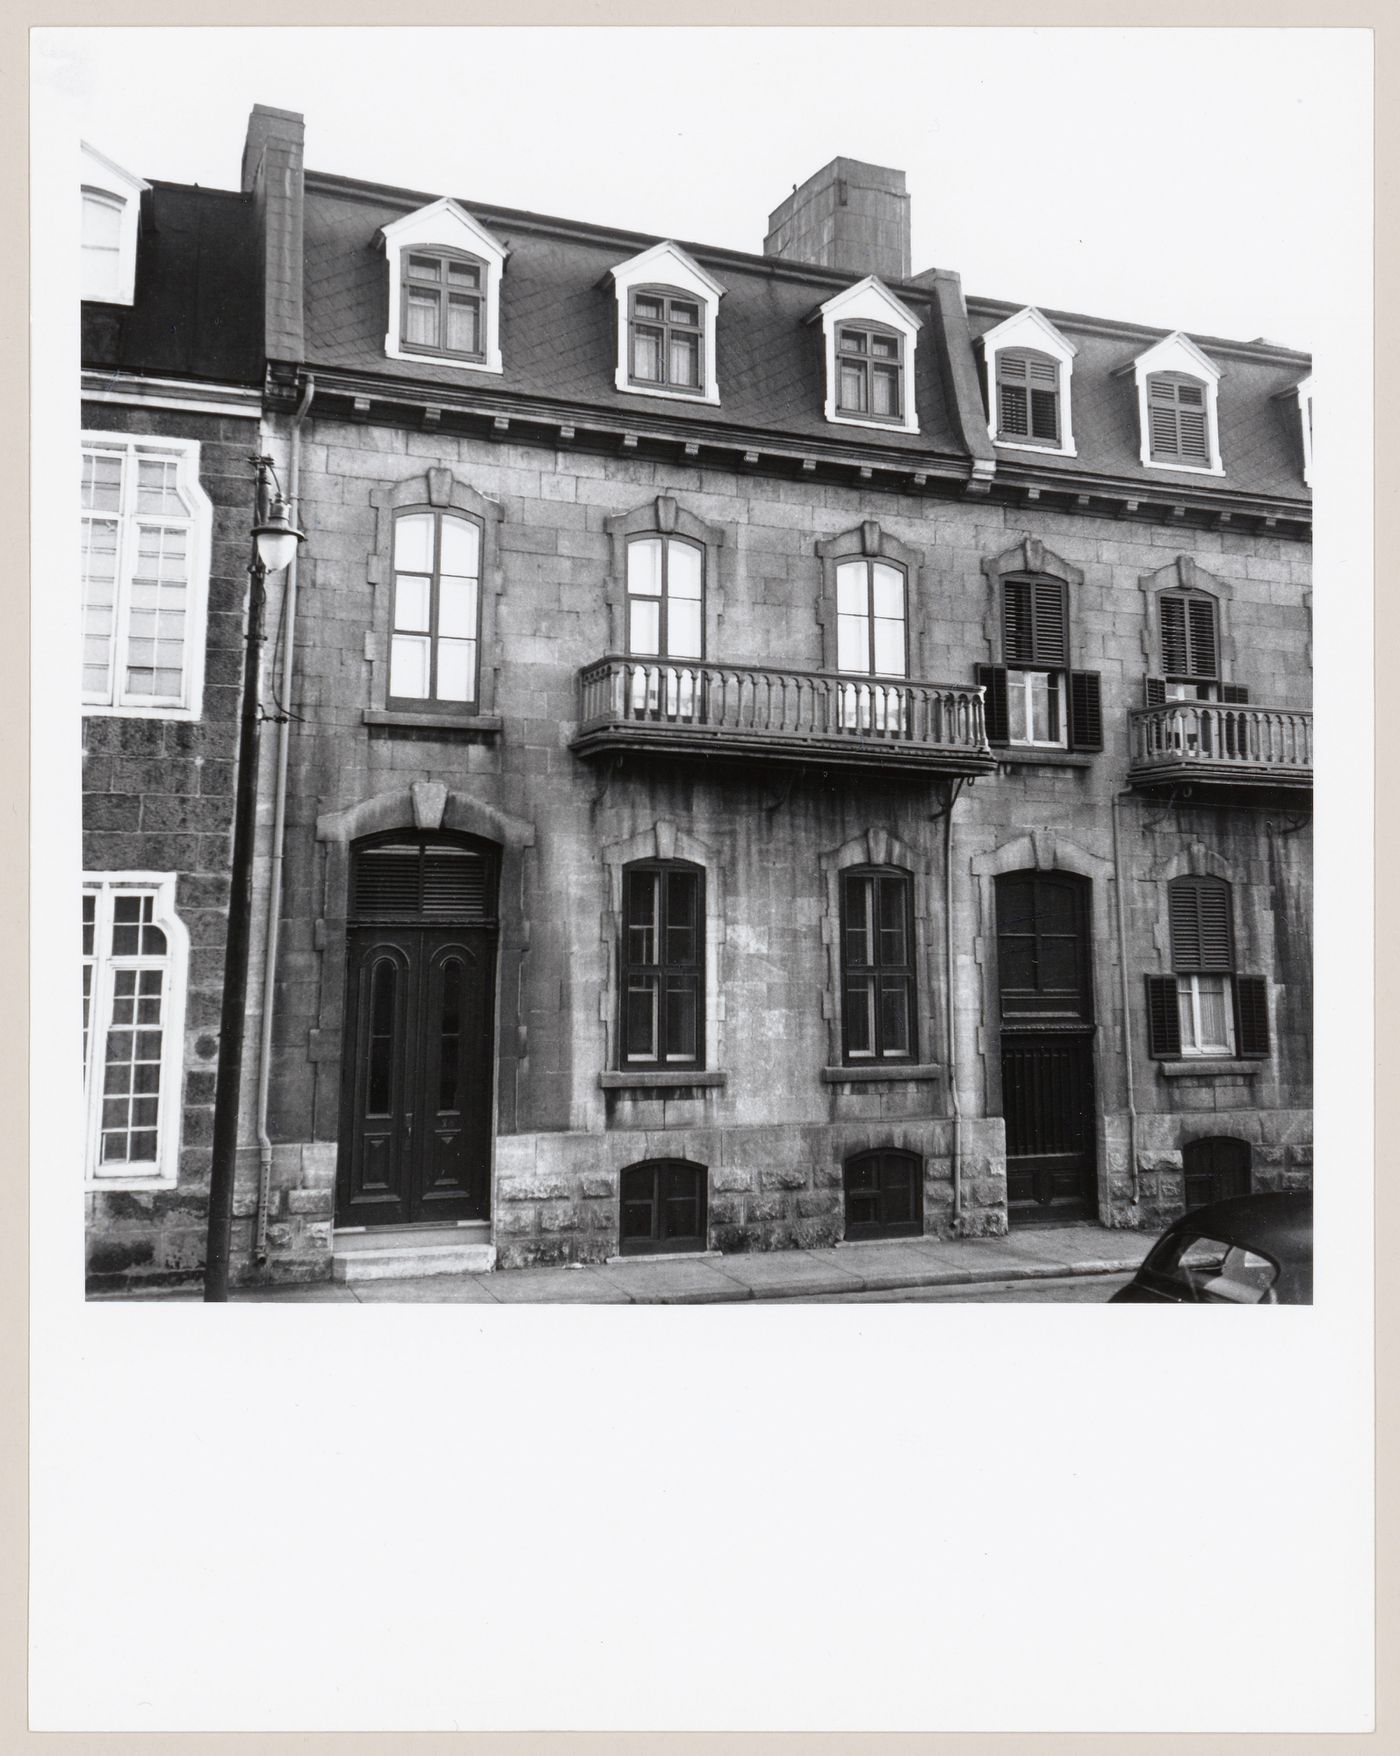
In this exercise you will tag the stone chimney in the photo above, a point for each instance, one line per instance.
(273, 176)
(851, 216)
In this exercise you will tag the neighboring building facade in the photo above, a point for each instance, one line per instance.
(170, 413)
(777, 753)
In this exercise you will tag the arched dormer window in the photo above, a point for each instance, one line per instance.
(1028, 368)
(110, 224)
(869, 338)
(445, 273)
(1178, 407)
(667, 312)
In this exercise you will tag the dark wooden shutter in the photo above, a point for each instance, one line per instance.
(1154, 692)
(1234, 694)
(1175, 653)
(1051, 630)
(1198, 915)
(406, 882)
(1018, 622)
(1204, 659)
(993, 680)
(1251, 1016)
(1163, 1019)
(1161, 416)
(1191, 416)
(1085, 711)
(1176, 414)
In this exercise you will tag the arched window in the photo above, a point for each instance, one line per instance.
(436, 618)
(1215, 1169)
(442, 302)
(1028, 396)
(663, 965)
(103, 216)
(663, 1207)
(878, 999)
(870, 371)
(666, 339)
(884, 1195)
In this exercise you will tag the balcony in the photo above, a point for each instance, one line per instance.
(1218, 748)
(756, 712)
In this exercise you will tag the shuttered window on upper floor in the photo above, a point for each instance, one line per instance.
(1035, 623)
(1177, 418)
(1028, 397)
(1190, 648)
(1198, 916)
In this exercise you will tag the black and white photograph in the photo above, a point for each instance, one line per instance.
(697, 680)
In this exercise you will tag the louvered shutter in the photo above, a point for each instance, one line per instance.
(1191, 416)
(993, 680)
(1018, 622)
(1154, 692)
(386, 883)
(1198, 914)
(1045, 400)
(1085, 711)
(1204, 659)
(1051, 633)
(1251, 1016)
(1175, 654)
(1234, 694)
(1161, 415)
(1013, 402)
(1176, 413)
(414, 882)
(1163, 1019)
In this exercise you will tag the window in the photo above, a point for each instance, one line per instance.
(1033, 698)
(1176, 408)
(667, 307)
(435, 638)
(1204, 1009)
(144, 560)
(871, 637)
(133, 1015)
(1028, 397)
(102, 245)
(445, 275)
(870, 372)
(884, 1195)
(667, 340)
(663, 959)
(869, 340)
(1189, 646)
(877, 966)
(663, 1207)
(665, 619)
(443, 295)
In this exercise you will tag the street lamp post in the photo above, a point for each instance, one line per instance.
(275, 540)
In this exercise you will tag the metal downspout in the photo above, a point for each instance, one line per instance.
(1127, 1015)
(279, 823)
(955, 1105)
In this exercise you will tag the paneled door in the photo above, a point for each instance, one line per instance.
(417, 1085)
(1047, 1046)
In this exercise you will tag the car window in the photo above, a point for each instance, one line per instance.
(1217, 1272)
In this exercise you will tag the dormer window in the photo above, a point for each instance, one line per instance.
(868, 341)
(1178, 407)
(667, 340)
(667, 310)
(445, 273)
(870, 372)
(110, 224)
(1028, 369)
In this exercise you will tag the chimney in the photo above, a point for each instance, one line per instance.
(850, 215)
(273, 176)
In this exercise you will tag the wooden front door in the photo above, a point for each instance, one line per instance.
(1047, 1046)
(417, 1084)
(1215, 1169)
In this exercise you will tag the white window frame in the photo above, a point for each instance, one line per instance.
(1305, 416)
(1178, 353)
(101, 177)
(201, 517)
(1029, 329)
(1056, 686)
(163, 1171)
(1188, 993)
(445, 225)
(870, 301)
(667, 266)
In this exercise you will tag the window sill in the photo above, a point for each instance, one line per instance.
(670, 1080)
(128, 1185)
(1035, 450)
(433, 722)
(1208, 1067)
(1012, 756)
(881, 1073)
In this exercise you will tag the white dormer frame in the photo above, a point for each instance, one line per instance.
(667, 265)
(1178, 353)
(871, 301)
(447, 224)
(1030, 329)
(1304, 394)
(102, 178)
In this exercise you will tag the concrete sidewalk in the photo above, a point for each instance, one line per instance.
(1052, 1252)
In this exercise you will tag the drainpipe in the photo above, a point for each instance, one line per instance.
(279, 824)
(955, 1107)
(1123, 978)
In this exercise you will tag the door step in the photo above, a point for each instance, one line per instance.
(407, 1252)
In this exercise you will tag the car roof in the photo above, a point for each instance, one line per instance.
(1281, 1223)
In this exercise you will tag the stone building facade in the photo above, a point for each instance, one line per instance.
(779, 753)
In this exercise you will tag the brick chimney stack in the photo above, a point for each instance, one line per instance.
(274, 177)
(849, 215)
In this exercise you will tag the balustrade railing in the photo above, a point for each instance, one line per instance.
(1211, 734)
(749, 703)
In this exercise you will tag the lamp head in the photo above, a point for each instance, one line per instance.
(277, 537)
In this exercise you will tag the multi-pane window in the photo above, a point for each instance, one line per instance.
(663, 1207)
(433, 650)
(877, 965)
(1028, 397)
(884, 1195)
(443, 298)
(141, 542)
(131, 1054)
(869, 372)
(872, 639)
(1177, 419)
(102, 245)
(666, 340)
(1204, 1007)
(1190, 648)
(1033, 697)
(666, 620)
(663, 965)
